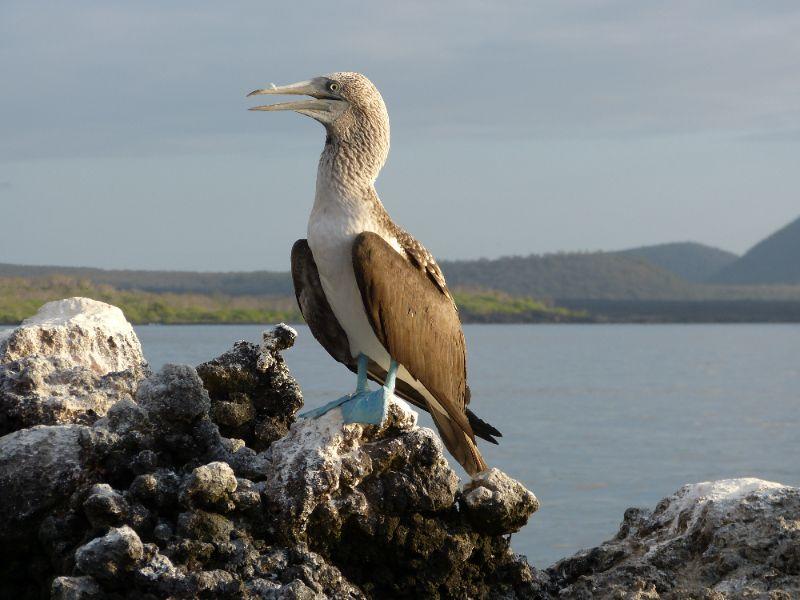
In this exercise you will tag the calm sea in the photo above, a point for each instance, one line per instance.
(596, 418)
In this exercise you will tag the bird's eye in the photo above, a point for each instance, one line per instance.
(334, 87)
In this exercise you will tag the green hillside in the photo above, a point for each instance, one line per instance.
(21, 298)
(576, 275)
(689, 260)
(252, 283)
(774, 260)
(486, 306)
(553, 277)
(661, 283)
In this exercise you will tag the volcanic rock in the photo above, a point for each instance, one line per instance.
(67, 364)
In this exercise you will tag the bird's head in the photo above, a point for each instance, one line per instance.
(347, 104)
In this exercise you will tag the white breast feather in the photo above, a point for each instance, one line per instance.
(332, 227)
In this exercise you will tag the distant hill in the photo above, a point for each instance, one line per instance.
(21, 297)
(555, 277)
(583, 280)
(575, 275)
(774, 260)
(253, 283)
(688, 260)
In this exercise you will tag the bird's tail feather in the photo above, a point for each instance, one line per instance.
(458, 443)
(482, 429)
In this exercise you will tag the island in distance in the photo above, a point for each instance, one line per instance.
(677, 282)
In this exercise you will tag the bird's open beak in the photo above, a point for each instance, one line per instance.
(321, 107)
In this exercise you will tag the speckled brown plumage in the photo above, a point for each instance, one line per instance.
(329, 333)
(420, 328)
(415, 252)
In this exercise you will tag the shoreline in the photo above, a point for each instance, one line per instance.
(4, 325)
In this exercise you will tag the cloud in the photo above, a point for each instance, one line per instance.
(790, 136)
(100, 79)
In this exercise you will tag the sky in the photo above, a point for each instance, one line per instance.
(518, 127)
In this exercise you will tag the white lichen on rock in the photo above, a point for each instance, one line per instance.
(732, 538)
(83, 331)
(321, 456)
(277, 339)
(67, 364)
(682, 510)
(496, 503)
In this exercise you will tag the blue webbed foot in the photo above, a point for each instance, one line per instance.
(369, 408)
(363, 406)
(318, 412)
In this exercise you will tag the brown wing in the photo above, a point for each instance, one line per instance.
(325, 326)
(315, 308)
(481, 428)
(422, 259)
(418, 325)
(328, 332)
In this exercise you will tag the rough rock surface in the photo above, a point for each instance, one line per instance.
(495, 503)
(39, 468)
(734, 538)
(199, 483)
(67, 364)
(80, 330)
(107, 558)
(253, 396)
(344, 488)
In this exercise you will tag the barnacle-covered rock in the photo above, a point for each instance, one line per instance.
(496, 504)
(733, 538)
(199, 483)
(69, 363)
(253, 395)
(345, 488)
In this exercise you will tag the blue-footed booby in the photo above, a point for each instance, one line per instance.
(372, 295)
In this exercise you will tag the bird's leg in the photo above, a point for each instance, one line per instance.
(363, 406)
(361, 385)
(391, 377)
(370, 408)
(362, 392)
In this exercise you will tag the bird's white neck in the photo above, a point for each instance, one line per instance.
(356, 148)
(347, 172)
(337, 180)
(345, 202)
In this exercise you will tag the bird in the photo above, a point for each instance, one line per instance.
(371, 294)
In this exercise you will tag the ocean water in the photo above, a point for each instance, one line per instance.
(595, 418)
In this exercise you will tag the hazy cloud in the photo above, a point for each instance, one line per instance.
(637, 116)
(98, 77)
